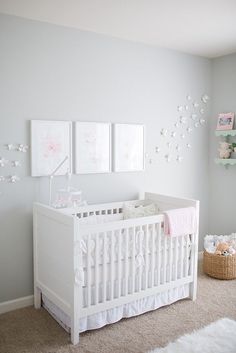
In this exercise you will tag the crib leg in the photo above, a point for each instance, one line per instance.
(193, 291)
(74, 336)
(37, 298)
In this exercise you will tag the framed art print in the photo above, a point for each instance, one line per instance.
(225, 121)
(50, 144)
(92, 147)
(128, 147)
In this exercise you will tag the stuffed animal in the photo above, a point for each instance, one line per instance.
(224, 150)
(224, 249)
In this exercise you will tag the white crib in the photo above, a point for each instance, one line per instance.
(92, 267)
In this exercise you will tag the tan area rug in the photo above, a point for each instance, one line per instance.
(218, 337)
(35, 331)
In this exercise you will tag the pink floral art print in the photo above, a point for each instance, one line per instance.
(225, 121)
(50, 144)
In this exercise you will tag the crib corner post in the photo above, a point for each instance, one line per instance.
(74, 335)
(37, 298)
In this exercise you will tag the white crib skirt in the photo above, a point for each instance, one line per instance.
(124, 311)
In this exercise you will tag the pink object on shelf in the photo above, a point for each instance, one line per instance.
(180, 221)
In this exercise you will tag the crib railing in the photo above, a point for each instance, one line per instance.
(122, 262)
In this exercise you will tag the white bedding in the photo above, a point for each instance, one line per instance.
(123, 311)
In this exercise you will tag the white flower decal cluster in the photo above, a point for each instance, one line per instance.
(12, 163)
(190, 117)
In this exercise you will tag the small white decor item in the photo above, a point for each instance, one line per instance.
(173, 134)
(164, 132)
(157, 149)
(182, 136)
(205, 98)
(188, 145)
(15, 163)
(179, 158)
(224, 150)
(195, 104)
(92, 147)
(196, 124)
(22, 148)
(13, 179)
(218, 337)
(176, 124)
(2, 178)
(202, 121)
(189, 97)
(50, 143)
(3, 162)
(180, 108)
(186, 107)
(169, 144)
(194, 116)
(128, 147)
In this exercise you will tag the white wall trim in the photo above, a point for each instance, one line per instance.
(16, 304)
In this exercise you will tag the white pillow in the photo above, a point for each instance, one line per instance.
(130, 211)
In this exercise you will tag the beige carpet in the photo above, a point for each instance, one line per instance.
(29, 330)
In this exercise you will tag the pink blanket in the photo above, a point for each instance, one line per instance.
(180, 221)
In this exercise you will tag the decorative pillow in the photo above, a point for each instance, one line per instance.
(130, 211)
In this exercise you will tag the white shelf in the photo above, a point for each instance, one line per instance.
(225, 162)
(225, 133)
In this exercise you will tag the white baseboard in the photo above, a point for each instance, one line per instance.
(16, 304)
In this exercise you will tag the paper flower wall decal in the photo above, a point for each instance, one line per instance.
(179, 158)
(173, 134)
(189, 97)
(183, 120)
(15, 164)
(180, 108)
(3, 162)
(202, 121)
(157, 149)
(168, 158)
(188, 145)
(189, 129)
(13, 178)
(195, 104)
(164, 132)
(194, 116)
(2, 178)
(22, 148)
(205, 98)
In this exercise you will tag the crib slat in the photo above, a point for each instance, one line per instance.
(146, 256)
(158, 226)
(104, 286)
(112, 264)
(96, 272)
(186, 255)
(133, 260)
(126, 235)
(164, 259)
(152, 256)
(181, 256)
(192, 243)
(140, 254)
(176, 250)
(88, 270)
(170, 258)
(119, 264)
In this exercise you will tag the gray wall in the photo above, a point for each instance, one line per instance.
(222, 191)
(57, 73)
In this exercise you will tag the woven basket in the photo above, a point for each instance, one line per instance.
(219, 266)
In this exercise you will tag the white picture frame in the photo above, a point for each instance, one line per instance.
(129, 147)
(92, 147)
(51, 142)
